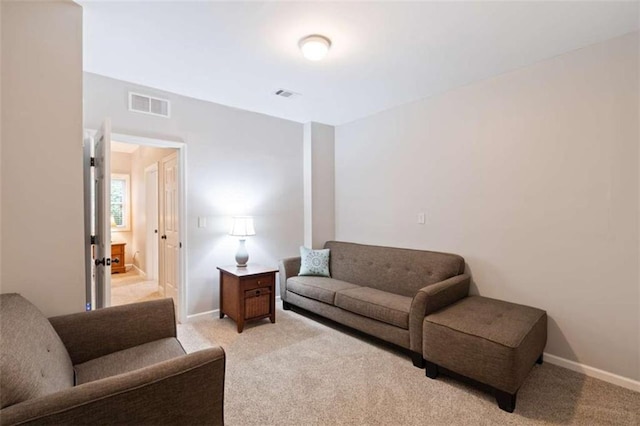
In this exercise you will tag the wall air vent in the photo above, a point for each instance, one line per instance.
(288, 94)
(149, 105)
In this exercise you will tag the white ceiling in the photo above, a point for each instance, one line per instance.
(384, 54)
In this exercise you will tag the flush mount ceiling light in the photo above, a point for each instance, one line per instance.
(314, 47)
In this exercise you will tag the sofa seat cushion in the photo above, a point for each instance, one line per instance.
(318, 288)
(35, 362)
(128, 360)
(376, 304)
(501, 322)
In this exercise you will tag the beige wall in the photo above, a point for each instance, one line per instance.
(121, 163)
(532, 176)
(0, 151)
(238, 162)
(142, 158)
(319, 209)
(42, 194)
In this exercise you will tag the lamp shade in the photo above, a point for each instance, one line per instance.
(242, 226)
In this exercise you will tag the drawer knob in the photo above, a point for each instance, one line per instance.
(257, 292)
(259, 282)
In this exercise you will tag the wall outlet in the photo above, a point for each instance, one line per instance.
(202, 222)
(421, 218)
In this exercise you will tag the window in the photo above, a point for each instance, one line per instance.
(120, 203)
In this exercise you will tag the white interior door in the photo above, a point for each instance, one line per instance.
(170, 225)
(152, 207)
(88, 187)
(102, 211)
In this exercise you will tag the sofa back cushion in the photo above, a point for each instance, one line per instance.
(33, 360)
(396, 270)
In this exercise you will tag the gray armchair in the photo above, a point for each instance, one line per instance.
(120, 365)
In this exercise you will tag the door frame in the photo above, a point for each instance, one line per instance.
(181, 147)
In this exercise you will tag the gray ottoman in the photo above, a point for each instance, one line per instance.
(490, 341)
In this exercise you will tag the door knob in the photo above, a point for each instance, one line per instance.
(103, 261)
(164, 237)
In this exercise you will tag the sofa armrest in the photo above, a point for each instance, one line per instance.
(289, 267)
(184, 390)
(432, 298)
(89, 335)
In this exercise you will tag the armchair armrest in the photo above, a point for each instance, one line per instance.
(432, 298)
(289, 267)
(89, 335)
(184, 390)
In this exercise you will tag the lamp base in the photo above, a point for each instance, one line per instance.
(241, 255)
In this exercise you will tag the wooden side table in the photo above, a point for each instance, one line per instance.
(247, 293)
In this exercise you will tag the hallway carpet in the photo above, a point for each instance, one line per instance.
(131, 288)
(302, 372)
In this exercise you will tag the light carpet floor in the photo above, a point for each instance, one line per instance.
(302, 372)
(130, 287)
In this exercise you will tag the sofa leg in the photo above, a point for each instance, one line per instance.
(506, 401)
(539, 360)
(417, 359)
(286, 306)
(431, 370)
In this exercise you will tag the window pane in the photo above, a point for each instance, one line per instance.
(117, 190)
(117, 214)
(120, 193)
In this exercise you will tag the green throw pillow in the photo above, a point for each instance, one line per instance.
(314, 262)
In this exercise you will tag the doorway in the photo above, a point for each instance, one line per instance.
(138, 236)
(146, 210)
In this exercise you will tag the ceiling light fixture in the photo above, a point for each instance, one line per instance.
(314, 47)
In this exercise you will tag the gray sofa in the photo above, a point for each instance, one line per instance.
(120, 365)
(382, 291)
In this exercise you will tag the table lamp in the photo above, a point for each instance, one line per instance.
(242, 227)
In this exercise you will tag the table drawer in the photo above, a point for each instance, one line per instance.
(257, 292)
(256, 282)
(258, 305)
(119, 261)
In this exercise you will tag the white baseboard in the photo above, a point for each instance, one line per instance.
(140, 271)
(201, 315)
(624, 382)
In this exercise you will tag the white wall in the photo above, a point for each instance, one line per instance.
(532, 176)
(238, 162)
(319, 173)
(42, 194)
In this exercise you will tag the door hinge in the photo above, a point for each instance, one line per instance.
(181, 245)
(92, 161)
(93, 239)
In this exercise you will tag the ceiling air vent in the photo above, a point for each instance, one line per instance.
(283, 93)
(148, 105)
